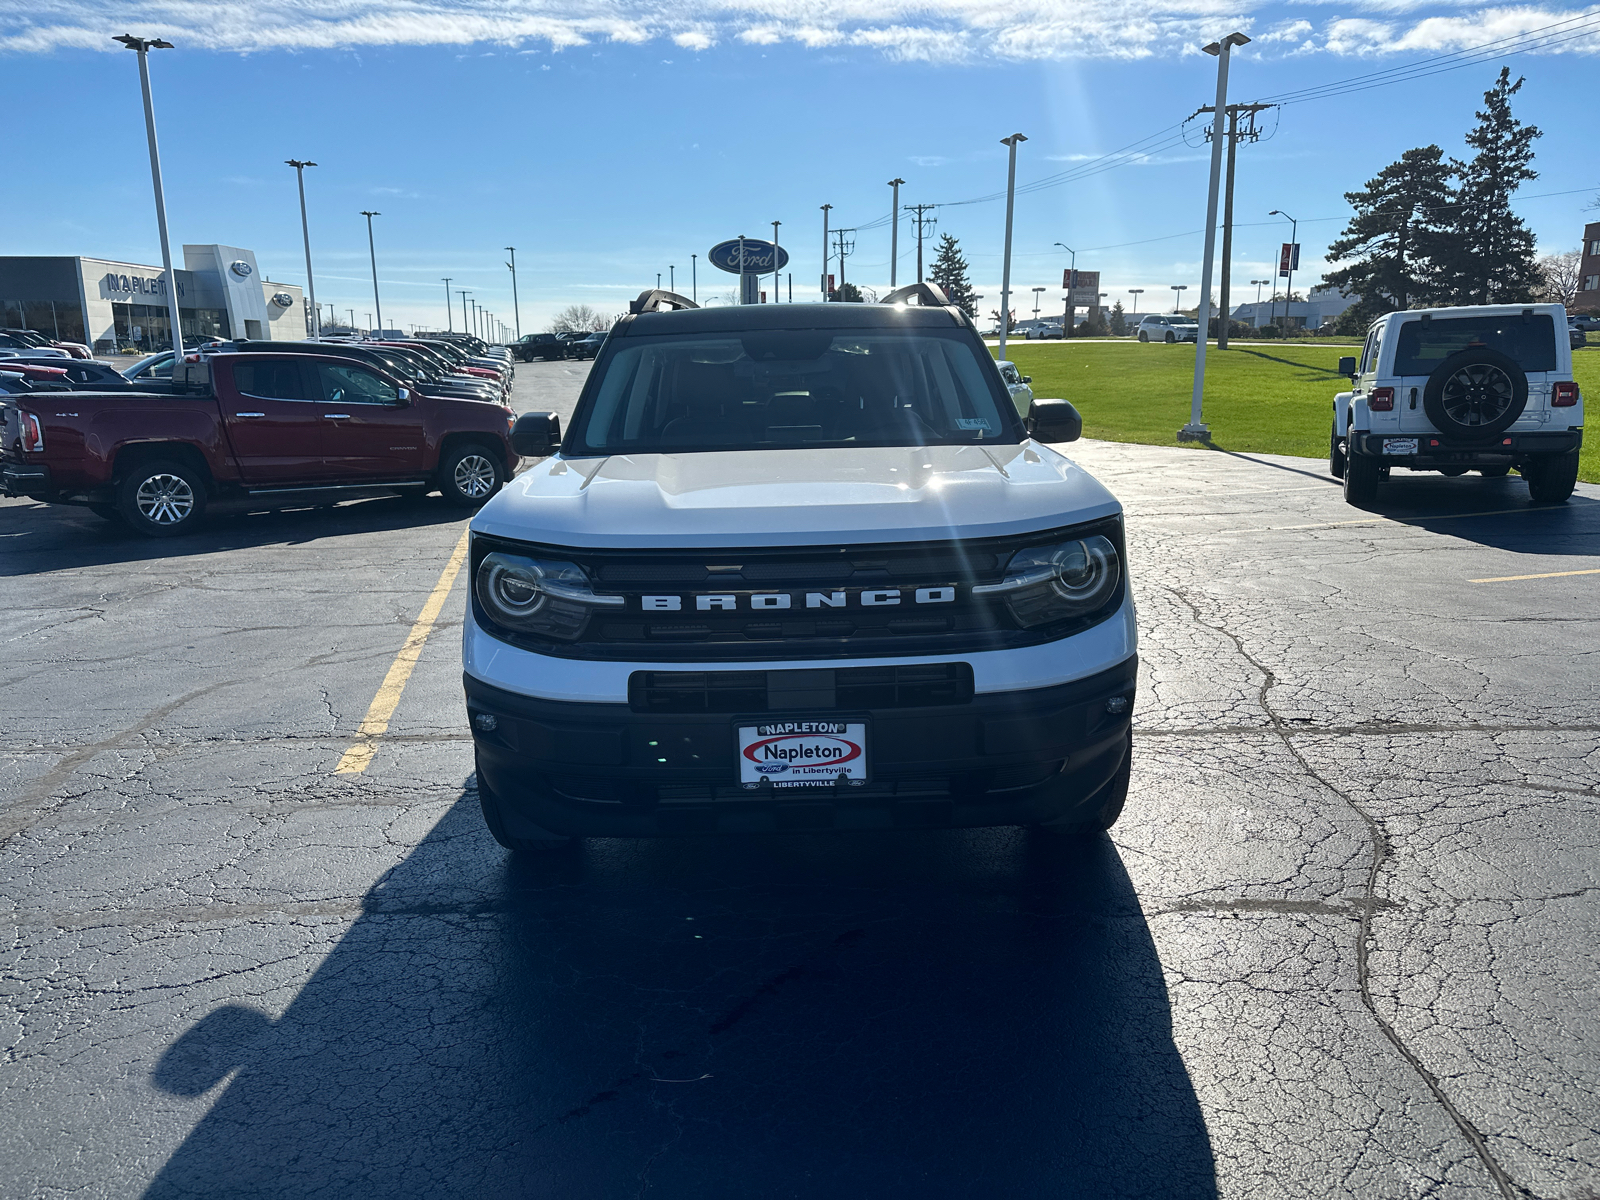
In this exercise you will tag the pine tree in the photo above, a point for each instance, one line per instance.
(950, 272)
(1396, 234)
(1489, 258)
(1119, 320)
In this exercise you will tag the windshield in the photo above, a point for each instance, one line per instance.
(1423, 345)
(778, 389)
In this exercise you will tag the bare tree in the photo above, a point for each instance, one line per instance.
(1559, 273)
(579, 318)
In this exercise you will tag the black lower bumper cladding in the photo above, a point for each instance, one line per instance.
(1009, 758)
(1433, 450)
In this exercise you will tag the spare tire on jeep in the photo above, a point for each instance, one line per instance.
(1475, 394)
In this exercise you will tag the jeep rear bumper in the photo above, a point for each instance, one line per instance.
(1433, 450)
(1002, 758)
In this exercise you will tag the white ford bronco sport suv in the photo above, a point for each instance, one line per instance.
(798, 567)
(1459, 389)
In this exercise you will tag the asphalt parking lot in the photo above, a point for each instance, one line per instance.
(1344, 941)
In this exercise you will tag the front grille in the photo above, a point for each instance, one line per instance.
(794, 602)
(915, 685)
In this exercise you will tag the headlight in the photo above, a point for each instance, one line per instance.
(1045, 584)
(535, 595)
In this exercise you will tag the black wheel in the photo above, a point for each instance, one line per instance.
(470, 474)
(162, 498)
(1361, 475)
(1494, 472)
(1475, 394)
(1110, 799)
(1171, 338)
(1551, 477)
(490, 804)
(1143, 336)
(1335, 453)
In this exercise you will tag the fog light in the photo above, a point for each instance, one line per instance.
(1117, 704)
(485, 722)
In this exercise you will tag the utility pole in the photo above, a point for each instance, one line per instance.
(825, 210)
(449, 312)
(694, 277)
(894, 234)
(516, 306)
(844, 249)
(775, 225)
(1250, 133)
(371, 250)
(923, 225)
(300, 166)
(1196, 430)
(1005, 267)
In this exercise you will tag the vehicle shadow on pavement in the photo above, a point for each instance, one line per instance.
(44, 538)
(918, 1014)
(1491, 512)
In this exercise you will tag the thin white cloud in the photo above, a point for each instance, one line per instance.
(936, 31)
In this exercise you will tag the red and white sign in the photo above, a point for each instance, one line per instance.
(790, 753)
(1288, 258)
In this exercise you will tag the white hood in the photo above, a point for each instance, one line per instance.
(795, 497)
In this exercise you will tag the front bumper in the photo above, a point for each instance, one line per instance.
(1002, 758)
(1436, 451)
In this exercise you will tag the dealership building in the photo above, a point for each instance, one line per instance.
(115, 306)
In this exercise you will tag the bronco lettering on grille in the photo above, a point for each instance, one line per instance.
(780, 601)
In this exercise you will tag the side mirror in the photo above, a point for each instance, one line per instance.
(402, 397)
(1054, 421)
(1347, 366)
(536, 434)
(1027, 379)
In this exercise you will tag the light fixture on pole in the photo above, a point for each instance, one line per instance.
(1070, 315)
(516, 305)
(143, 46)
(1036, 292)
(1258, 284)
(372, 250)
(449, 310)
(825, 210)
(1196, 430)
(1294, 251)
(894, 233)
(300, 166)
(658, 280)
(1178, 289)
(775, 281)
(1005, 270)
(1135, 293)
(672, 275)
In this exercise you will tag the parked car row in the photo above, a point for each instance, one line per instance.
(551, 347)
(254, 425)
(26, 340)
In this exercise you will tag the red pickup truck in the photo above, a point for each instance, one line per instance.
(251, 431)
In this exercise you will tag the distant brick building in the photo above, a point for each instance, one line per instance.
(1589, 270)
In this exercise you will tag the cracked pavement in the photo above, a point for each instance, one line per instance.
(1343, 941)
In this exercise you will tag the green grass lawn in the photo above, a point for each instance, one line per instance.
(1268, 397)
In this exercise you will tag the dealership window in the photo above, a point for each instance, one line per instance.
(1594, 246)
(1591, 283)
(54, 319)
(145, 328)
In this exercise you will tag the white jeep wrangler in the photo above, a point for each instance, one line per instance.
(1460, 389)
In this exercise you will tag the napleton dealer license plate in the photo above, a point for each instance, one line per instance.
(800, 753)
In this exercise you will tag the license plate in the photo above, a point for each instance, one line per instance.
(1399, 445)
(802, 753)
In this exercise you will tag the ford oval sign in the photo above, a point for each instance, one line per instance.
(757, 257)
(241, 268)
(283, 299)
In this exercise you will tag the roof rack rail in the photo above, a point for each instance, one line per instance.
(656, 299)
(925, 293)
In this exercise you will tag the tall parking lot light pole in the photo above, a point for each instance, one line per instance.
(466, 325)
(894, 233)
(1070, 322)
(1136, 293)
(825, 210)
(516, 305)
(775, 281)
(1036, 292)
(1288, 290)
(373, 252)
(1178, 289)
(300, 166)
(449, 312)
(694, 277)
(1005, 270)
(143, 46)
(1196, 430)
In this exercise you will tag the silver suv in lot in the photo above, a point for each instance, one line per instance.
(1461, 389)
(1167, 329)
(798, 567)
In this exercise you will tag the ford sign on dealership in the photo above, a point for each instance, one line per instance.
(757, 256)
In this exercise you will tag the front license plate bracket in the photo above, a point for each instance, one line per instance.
(802, 752)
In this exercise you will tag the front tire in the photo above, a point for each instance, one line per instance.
(1551, 477)
(1336, 455)
(1171, 338)
(1143, 337)
(469, 475)
(162, 498)
(1361, 475)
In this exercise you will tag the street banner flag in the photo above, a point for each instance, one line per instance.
(1288, 259)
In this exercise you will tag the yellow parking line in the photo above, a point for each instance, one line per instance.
(1546, 575)
(376, 723)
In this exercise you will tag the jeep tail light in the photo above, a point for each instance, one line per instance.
(32, 433)
(1381, 400)
(1564, 395)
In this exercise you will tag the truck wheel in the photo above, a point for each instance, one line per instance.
(1361, 475)
(1111, 798)
(162, 498)
(1475, 394)
(1551, 477)
(1335, 453)
(490, 804)
(470, 474)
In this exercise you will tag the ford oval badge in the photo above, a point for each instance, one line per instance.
(283, 299)
(757, 256)
(241, 268)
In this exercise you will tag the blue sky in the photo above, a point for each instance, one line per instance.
(608, 141)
